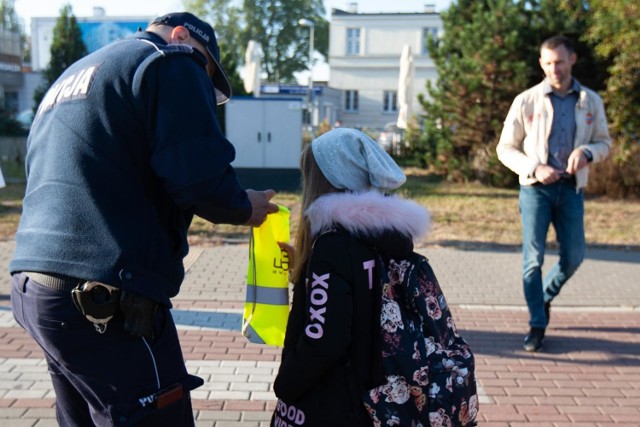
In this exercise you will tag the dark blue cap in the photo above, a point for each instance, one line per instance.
(204, 33)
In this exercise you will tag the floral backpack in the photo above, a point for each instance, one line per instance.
(429, 377)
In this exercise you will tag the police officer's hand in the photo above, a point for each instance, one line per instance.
(260, 206)
(577, 160)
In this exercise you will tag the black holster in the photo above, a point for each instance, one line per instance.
(139, 314)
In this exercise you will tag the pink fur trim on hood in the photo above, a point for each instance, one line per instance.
(368, 212)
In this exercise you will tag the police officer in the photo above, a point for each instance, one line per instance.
(124, 150)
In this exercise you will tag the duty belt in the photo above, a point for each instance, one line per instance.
(97, 301)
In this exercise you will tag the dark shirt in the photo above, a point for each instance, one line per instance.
(563, 127)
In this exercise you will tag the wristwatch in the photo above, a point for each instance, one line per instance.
(588, 155)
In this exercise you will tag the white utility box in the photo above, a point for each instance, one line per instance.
(266, 132)
(267, 136)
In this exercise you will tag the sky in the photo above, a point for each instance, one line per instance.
(26, 9)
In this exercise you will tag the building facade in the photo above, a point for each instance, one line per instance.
(97, 31)
(325, 101)
(364, 62)
(11, 78)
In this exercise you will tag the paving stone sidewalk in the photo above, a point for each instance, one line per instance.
(588, 375)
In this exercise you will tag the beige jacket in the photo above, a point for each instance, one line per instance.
(524, 145)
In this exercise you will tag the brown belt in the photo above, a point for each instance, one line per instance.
(54, 281)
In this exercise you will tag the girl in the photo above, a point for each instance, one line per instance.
(331, 353)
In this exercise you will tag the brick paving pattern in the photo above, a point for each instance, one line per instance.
(588, 374)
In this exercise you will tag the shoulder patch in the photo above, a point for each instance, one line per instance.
(74, 86)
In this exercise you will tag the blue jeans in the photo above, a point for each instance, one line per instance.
(540, 206)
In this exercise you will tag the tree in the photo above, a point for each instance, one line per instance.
(285, 44)
(67, 47)
(9, 20)
(225, 19)
(274, 25)
(615, 30)
(488, 54)
(569, 18)
(481, 66)
(262, 21)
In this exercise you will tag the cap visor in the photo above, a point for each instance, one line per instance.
(220, 82)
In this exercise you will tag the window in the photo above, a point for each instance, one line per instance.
(428, 33)
(351, 100)
(390, 101)
(353, 41)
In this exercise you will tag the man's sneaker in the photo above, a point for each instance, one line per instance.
(547, 311)
(533, 340)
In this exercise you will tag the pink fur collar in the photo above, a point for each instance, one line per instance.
(368, 212)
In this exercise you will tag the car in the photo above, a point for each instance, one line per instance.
(390, 137)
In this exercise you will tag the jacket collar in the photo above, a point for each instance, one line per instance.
(368, 213)
(545, 89)
(575, 86)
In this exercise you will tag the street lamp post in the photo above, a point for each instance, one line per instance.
(304, 22)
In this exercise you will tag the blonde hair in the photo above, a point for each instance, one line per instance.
(314, 185)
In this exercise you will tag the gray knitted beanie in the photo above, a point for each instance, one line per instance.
(350, 160)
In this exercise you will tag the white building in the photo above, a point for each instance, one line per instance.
(364, 59)
(10, 70)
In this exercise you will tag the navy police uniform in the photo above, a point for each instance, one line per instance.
(125, 149)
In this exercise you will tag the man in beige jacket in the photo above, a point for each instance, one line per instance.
(551, 134)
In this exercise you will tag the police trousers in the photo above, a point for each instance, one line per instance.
(105, 379)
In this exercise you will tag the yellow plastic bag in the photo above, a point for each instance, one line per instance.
(266, 309)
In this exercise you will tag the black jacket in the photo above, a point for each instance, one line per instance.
(328, 356)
